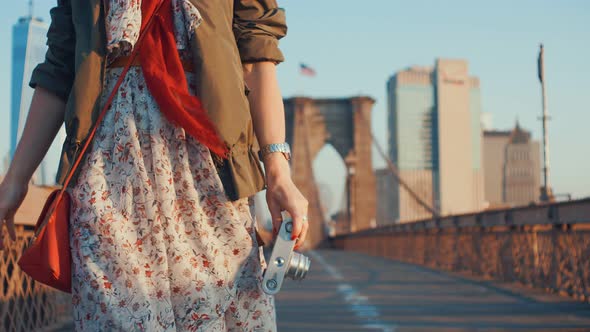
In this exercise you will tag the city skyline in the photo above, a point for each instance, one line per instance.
(356, 49)
(502, 55)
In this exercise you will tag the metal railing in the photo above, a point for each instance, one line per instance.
(545, 246)
(26, 305)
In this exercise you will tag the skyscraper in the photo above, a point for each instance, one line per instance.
(512, 166)
(28, 49)
(435, 138)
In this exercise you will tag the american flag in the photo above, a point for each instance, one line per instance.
(306, 70)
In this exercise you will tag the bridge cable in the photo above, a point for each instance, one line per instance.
(395, 171)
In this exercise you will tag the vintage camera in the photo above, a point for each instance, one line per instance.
(284, 262)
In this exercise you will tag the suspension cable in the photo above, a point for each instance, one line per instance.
(394, 170)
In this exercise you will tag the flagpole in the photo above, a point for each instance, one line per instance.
(299, 84)
(546, 192)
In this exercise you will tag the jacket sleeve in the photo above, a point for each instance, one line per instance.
(258, 25)
(56, 72)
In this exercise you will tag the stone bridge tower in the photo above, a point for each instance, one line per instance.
(346, 124)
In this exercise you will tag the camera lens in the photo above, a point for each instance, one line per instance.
(298, 266)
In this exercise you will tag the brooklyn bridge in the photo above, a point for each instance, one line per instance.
(521, 268)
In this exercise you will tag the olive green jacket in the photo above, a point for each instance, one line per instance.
(232, 32)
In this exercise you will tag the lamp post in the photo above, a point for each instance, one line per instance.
(546, 192)
(350, 162)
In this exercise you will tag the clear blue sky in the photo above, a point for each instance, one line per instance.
(355, 46)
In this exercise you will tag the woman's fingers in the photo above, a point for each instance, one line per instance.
(297, 226)
(11, 230)
(275, 214)
(2, 217)
(302, 235)
(12, 195)
(284, 196)
(298, 211)
(6, 218)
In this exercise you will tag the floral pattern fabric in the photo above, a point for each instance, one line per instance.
(123, 22)
(156, 245)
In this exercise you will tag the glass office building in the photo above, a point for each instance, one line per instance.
(435, 139)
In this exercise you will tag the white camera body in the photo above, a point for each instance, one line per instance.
(284, 262)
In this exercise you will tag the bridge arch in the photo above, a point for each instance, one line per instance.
(345, 123)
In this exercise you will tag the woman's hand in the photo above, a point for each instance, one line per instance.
(282, 194)
(12, 194)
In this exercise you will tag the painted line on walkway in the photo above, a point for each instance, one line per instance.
(357, 303)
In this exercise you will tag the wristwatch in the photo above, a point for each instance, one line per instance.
(275, 147)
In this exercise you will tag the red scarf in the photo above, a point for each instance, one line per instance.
(166, 80)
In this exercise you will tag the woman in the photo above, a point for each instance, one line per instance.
(162, 231)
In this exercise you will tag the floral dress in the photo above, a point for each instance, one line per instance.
(156, 245)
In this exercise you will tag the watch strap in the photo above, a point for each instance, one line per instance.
(275, 147)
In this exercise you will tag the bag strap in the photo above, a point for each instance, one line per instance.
(101, 116)
(111, 97)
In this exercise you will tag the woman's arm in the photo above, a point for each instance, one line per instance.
(268, 116)
(52, 80)
(266, 102)
(258, 25)
(44, 120)
(46, 115)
